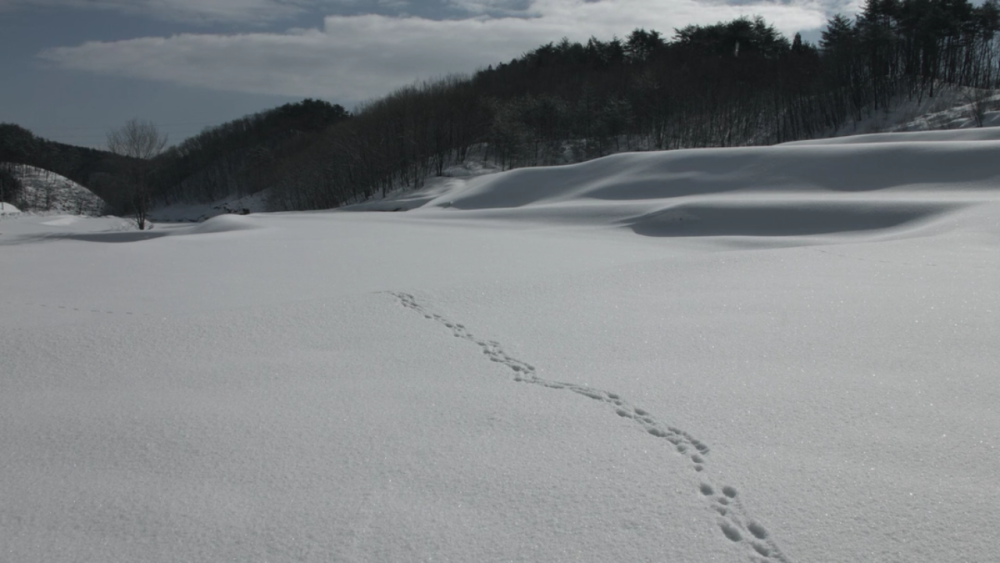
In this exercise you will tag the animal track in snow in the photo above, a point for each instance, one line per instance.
(71, 308)
(737, 526)
(694, 450)
(734, 521)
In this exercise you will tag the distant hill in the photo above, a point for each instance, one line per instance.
(44, 190)
(240, 157)
(84, 166)
(234, 158)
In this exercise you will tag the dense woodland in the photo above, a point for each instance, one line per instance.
(736, 83)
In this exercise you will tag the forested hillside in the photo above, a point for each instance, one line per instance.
(85, 166)
(734, 83)
(239, 157)
(234, 158)
(730, 84)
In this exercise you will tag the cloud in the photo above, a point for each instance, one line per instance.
(199, 11)
(354, 58)
(493, 7)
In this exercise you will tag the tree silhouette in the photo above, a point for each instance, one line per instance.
(140, 142)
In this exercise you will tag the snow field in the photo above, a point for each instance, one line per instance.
(777, 354)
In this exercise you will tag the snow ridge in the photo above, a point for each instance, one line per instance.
(733, 519)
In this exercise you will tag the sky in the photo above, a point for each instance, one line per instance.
(73, 69)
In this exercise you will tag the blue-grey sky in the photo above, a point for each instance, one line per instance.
(72, 69)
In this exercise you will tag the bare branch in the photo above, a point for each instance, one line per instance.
(136, 139)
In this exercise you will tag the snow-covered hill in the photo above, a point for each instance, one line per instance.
(768, 355)
(907, 182)
(49, 192)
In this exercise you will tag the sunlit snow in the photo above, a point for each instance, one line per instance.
(761, 354)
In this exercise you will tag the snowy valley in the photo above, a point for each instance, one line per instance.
(769, 354)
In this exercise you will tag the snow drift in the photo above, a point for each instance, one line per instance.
(788, 171)
(838, 186)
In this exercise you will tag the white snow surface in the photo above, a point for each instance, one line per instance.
(8, 209)
(979, 134)
(770, 354)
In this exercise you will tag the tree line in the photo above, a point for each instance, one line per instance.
(238, 157)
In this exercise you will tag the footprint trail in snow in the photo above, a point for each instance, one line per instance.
(735, 524)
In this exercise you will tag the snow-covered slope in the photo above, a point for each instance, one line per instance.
(950, 108)
(977, 134)
(776, 354)
(8, 209)
(836, 186)
(193, 212)
(958, 112)
(48, 191)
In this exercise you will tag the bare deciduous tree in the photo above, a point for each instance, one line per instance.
(137, 139)
(140, 141)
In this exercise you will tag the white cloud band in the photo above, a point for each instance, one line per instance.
(360, 57)
(204, 11)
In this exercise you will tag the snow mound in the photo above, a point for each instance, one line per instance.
(62, 221)
(780, 219)
(195, 212)
(434, 188)
(8, 209)
(872, 184)
(978, 134)
(225, 224)
(785, 169)
(28, 227)
(454, 178)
